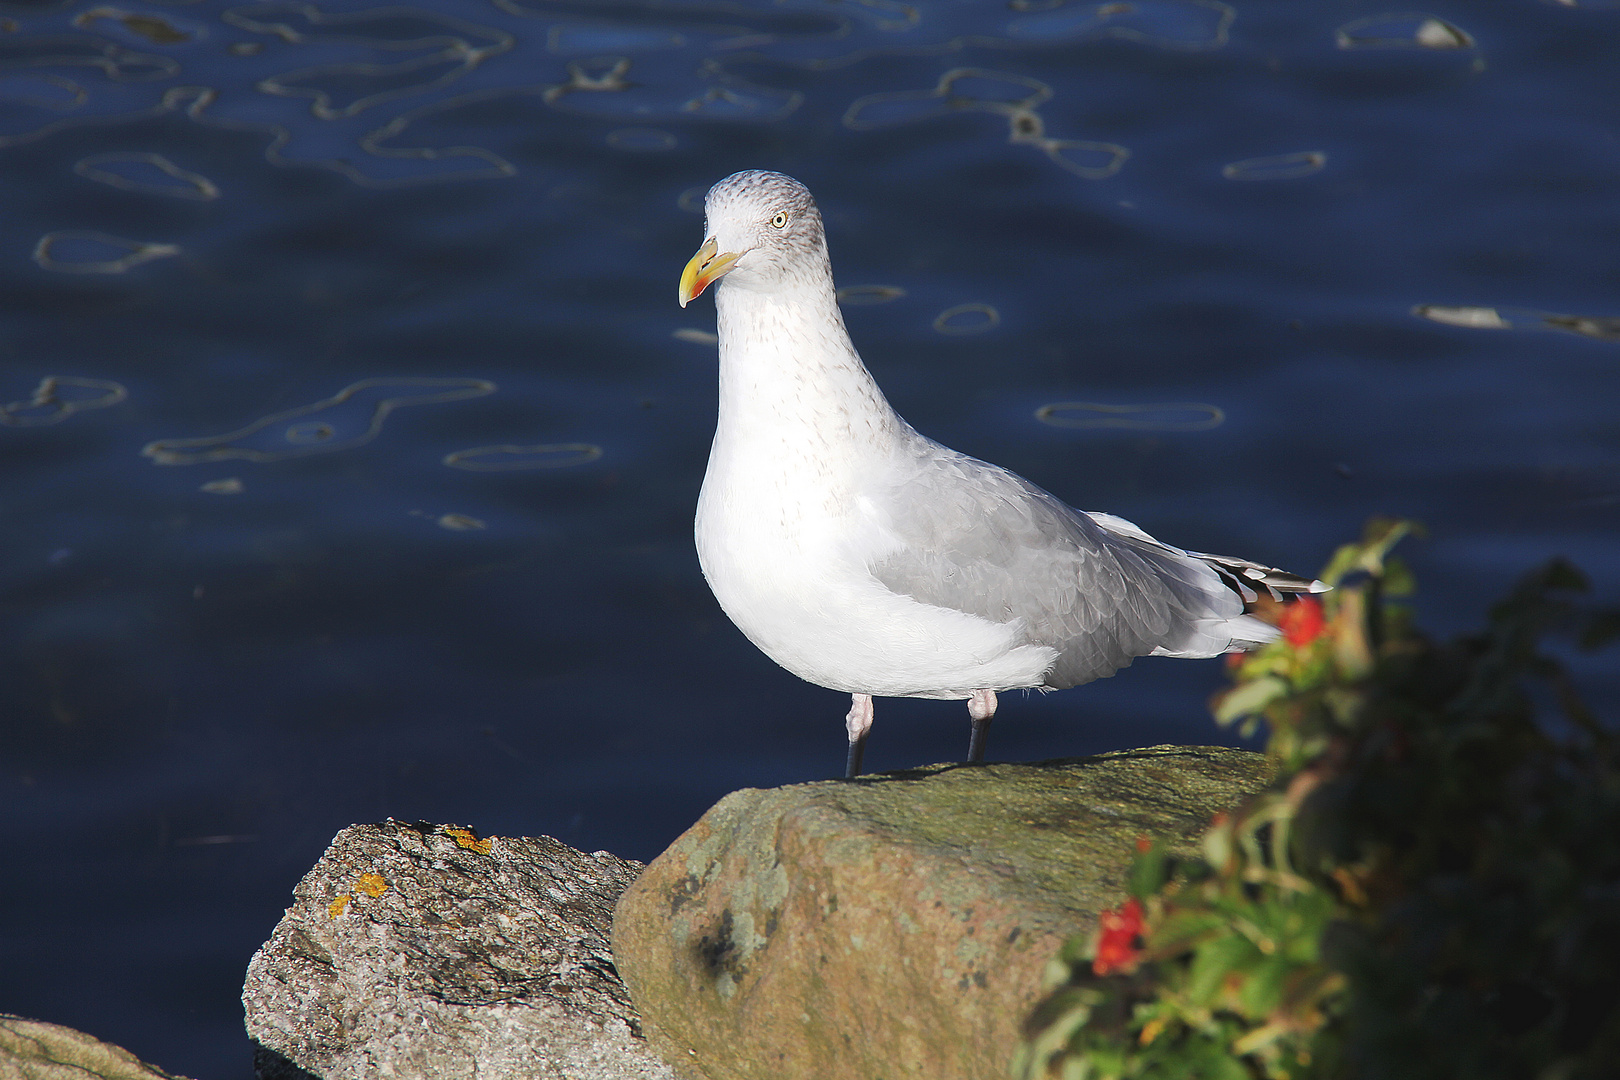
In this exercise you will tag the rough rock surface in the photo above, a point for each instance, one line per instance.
(35, 1050)
(895, 925)
(422, 950)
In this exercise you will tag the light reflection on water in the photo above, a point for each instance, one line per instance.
(58, 397)
(349, 418)
(1223, 270)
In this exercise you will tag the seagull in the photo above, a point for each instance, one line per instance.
(867, 558)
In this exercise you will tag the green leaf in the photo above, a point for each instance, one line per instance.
(1262, 990)
(1076, 951)
(1381, 535)
(1184, 929)
(1249, 698)
(1214, 960)
(1218, 847)
(1149, 872)
(1398, 579)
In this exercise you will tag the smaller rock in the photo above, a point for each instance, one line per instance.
(424, 950)
(35, 1050)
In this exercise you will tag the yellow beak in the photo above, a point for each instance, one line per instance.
(705, 269)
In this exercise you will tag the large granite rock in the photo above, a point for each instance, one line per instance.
(424, 951)
(35, 1050)
(895, 925)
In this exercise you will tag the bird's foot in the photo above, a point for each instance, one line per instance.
(981, 707)
(859, 724)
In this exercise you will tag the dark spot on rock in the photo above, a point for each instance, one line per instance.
(717, 952)
(302, 944)
(683, 892)
(601, 965)
(770, 924)
(974, 978)
(1013, 936)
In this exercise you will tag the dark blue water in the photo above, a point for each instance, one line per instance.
(324, 262)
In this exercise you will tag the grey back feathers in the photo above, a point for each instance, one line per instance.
(980, 539)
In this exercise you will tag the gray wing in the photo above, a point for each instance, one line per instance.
(979, 539)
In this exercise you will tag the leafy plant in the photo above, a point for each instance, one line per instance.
(1430, 888)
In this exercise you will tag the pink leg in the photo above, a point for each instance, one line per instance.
(981, 707)
(859, 725)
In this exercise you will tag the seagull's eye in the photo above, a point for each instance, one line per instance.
(780, 220)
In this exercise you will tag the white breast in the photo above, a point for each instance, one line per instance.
(786, 544)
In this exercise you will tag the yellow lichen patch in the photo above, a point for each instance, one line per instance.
(372, 884)
(466, 839)
(335, 908)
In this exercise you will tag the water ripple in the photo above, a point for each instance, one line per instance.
(1402, 30)
(1176, 416)
(509, 458)
(58, 397)
(1277, 167)
(359, 412)
(1015, 97)
(146, 172)
(1176, 24)
(82, 251)
(967, 319)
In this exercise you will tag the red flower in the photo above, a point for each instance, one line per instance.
(1118, 948)
(1301, 622)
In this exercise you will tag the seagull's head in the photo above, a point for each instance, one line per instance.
(763, 230)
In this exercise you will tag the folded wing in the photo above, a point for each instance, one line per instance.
(970, 536)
